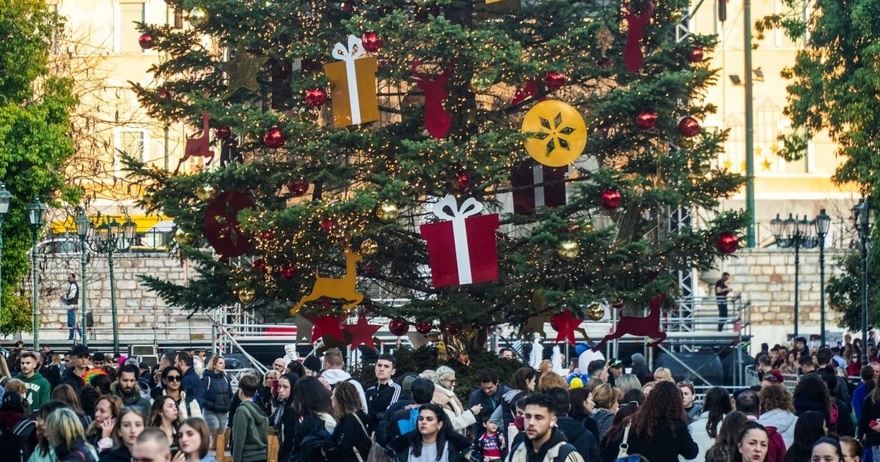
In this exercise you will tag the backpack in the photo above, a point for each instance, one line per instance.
(15, 441)
(564, 451)
(409, 425)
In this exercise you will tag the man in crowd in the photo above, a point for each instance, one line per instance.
(280, 365)
(250, 426)
(384, 393)
(598, 370)
(70, 300)
(825, 358)
(721, 291)
(489, 395)
(615, 370)
(144, 379)
(640, 369)
(544, 441)
(333, 372)
(191, 383)
(80, 359)
(505, 353)
(126, 388)
(574, 430)
(38, 388)
(98, 359)
(152, 445)
(806, 364)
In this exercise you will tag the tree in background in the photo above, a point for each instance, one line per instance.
(294, 179)
(34, 142)
(833, 88)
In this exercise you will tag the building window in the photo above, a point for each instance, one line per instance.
(131, 142)
(126, 30)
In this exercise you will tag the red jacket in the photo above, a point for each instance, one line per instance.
(775, 446)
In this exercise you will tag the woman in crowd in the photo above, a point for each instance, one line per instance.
(284, 420)
(840, 418)
(444, 384)
(100, 431)
(627, 382)
(606, 398)
(808, 429)
(434, 440)
(19, 387)
(171, 381)
(704, 429)
(65, 434)
(632, 396)
(646, 388)
(610, 442)
(689, 396)
(727, 442)
(312, 403)
(551, 380)
(12, 413)
(854, 367)
(218, 394)
(523, 385)
(66, 394)
(789, 364)
(43, 451)
(164, 415)
(663, 374)
(777, 411)
(195, 441)
(870, 412)
(659, 430)
(350, 434)
(130, 425)
(852, 449)
(88, 398)
(753, 444)
(581, 409)
(827, 450)
(811, 394)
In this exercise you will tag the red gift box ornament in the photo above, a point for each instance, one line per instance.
(461, 250)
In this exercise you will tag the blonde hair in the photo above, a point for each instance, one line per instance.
(545, 366)
(213, 362)
(666, 373)
(550, 380)
(605, 396)
(627, 382)
(63, 427)
(115, 408)
(649, 385)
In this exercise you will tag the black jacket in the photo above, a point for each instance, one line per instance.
(116, 455)
(870, 411)
(69, 378)
(218, 392)
(348, 436)
(579, 437)
(398, 448)
(489, 403)
(379, 399)
(664, 447)
(844, 425)
(77, 452)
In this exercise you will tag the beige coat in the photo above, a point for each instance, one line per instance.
(461, 419)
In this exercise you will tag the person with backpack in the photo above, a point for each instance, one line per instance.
(17, 435)
(524, 381)
(406, 420)
(65, 433)
(544, 441)
(218, 394)
(433, 439)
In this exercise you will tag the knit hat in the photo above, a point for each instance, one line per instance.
(408, 381)
(638, 358)
(312, 363)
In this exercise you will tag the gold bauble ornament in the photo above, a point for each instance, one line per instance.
(387, 212)
(568, 250)
(205, 192)
(183, 238)
(197, 16)
(246, 295)
(595, 311)
(369, 248)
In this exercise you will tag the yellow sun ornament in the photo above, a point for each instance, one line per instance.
(560, 133)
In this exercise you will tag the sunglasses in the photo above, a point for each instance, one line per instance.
(173, 378)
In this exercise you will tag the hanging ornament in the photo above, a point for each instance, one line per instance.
(223, 133)
(453, 329)
(316, 97)
(565, 324)
(424, 327)
(183, 238)
(274, 138)
(241, 71)
(163, 93)
(610, 199)
(205, 192)
(146, 40)
(337, 288)
(529, 90)
(352, 84)
(246, 296)
(369, 248)
(727, 242)
(362, 333)
(561, 133)
(259, 265)
(483, 81)
(536, 186)
(196, 16)
(326, 325)
(372, 42)
(636, 21)
(689, 127)
(298, 187)
(221, 227)
(646, 120)
(328, 224)
(398, 326)
(387, 212)
(568, 250)
(438, 122)
(617, 304)
(695, 55)
(554, 80)
(463, 181)
(595, 311)
(287, 271)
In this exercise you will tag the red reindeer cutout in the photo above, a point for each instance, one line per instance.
(637, 21)
(649, 326)
(438, 122)
(198, 147)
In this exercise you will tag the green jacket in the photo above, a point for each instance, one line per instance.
(38, 389)
(250, 433)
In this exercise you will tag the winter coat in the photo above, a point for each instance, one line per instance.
(858, 399)
(663, 446)
(218, 392)
(334, 376)
(604, 418)
(870, 411)
(460, 418)
(507, 409)
(8, 421)
(784, 422)
(457, 447)
(841, 418)
(78, 451)
(349, 435)
(133, 400)
(489, 403)
(191, 384)
(700, 435)
(520, 452)
(120, 454)
(250, 434)
(579, 437)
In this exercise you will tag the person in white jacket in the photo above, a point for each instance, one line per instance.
(444, 383)
(777, 411)
(704, 429)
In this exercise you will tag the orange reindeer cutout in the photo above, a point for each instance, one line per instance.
(649, 326)
(343, 288)
(198, 147)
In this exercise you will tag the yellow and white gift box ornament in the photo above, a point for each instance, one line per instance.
(352, 84)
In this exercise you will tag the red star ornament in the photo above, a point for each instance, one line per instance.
(362, 332)
(327, 325)
(565, 323)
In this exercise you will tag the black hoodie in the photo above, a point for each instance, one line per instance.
(579, 437)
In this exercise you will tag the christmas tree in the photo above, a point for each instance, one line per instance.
(358, 141)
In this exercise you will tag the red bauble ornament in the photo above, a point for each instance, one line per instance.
(298, 187)
(554, 80)
(146, 40)
(727, 242)
(259, 265)
(163, 93)
(689, 127)
(617, 304)
(223, 133)
(328, 224)
(287, 271)
(398, 326)
(371, 270)
(463, 182)
(610, 199)
(453, 329)
(646, 120)
(372, 42)
(267, 235)
(316, 97)
(695, 55)
(274, 138)
(423, 327)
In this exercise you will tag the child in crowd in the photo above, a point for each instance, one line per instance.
(490, 446)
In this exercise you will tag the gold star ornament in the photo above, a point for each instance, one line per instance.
(242, 70)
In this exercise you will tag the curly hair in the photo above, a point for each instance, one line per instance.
(728, 438)
(812, 388)
(775, 396)
(346, 400)
(663, 406)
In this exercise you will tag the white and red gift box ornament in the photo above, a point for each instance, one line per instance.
(535, 186)
(352, 84)
(461, 249)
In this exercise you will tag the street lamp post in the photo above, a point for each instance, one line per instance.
(83, 225)
(109, 239)
(823, 224)
(36, 212)
(861, 223)
(5, 200)
(797, 233)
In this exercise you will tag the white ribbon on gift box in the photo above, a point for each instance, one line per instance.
(457, 215)
(538, 178)
(355, 50)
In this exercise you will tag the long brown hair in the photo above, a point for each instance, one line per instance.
(346, 400)
(115, 407)
(725, 447)
(663, 406)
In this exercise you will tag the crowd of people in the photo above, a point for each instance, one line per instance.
(86, 408)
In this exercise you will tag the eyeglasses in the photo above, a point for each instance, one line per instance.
(173, 378)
